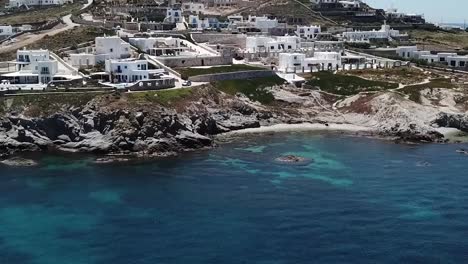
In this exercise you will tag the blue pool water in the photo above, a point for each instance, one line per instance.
(360, 201)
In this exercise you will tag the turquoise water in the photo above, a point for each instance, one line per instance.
(360, 201)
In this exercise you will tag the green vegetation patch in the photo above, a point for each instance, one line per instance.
(44, 104)
(254, 89)
(189, 72)
(414, 91)
(163, 97)
(40, 14)
(346, 85)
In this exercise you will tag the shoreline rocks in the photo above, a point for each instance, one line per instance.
(108, 125)
(19, 162)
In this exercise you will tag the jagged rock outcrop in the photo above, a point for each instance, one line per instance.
(458, 121)
(117, 126)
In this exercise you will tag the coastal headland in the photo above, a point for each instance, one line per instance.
(161, 123)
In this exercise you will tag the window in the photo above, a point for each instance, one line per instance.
(272, 47)
(462, 63)
(453, 63)
(289, 47)
(111, 50)
(45, 70)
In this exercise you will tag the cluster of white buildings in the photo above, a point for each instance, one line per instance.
(296, 54)
(29, 3)
(450, 59)
(385, 33)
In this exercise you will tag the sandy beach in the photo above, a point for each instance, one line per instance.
(303, 127)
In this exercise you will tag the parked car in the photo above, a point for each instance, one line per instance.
(187, 83)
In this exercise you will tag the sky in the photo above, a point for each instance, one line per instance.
(436, 11)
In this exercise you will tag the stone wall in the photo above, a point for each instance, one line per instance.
(231, 76)
(175, 62)
(231, 39)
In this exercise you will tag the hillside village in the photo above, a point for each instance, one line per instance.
(152, 45)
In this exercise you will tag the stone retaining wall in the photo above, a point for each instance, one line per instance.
(231, 76)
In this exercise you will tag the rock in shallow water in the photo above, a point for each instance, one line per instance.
(19, 162)
(292, 159)
(108, 160)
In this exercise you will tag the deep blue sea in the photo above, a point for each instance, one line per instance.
(360, 201)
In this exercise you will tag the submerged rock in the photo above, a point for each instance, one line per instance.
(292, 159)
(462, 151)
(19, 162)
(108, 160)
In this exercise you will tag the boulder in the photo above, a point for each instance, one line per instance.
(19, 162)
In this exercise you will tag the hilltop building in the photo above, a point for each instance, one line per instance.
(19, 3)
(384, 34)
(193, 7)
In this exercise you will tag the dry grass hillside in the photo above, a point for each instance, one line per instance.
(440, 40)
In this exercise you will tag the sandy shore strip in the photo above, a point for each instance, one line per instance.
(303, 127)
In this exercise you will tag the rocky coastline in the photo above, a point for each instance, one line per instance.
(115, 124)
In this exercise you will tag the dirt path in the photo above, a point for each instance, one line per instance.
(30, 38)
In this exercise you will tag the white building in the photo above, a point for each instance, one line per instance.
(135, 75)
(33, 67)
(298, 62)
(127, 71)
(161, 46)
(351, 4)
(252, 23)
(173, 15)
(263, 23)
(5, 32)
(450, 59)
(105, 48)
(385, 33)
(192, 7)
(257, 44)
(308, 32)
(18, 3)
